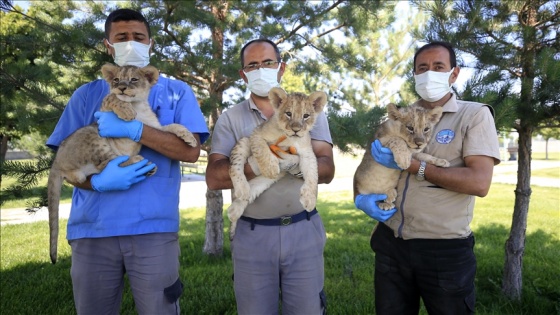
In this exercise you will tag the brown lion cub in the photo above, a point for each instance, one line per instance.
(287, 130)
(407, 132)
(85, 153)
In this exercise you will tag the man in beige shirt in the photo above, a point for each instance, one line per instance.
(424, 247)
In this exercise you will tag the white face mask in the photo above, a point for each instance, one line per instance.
(131, 53)
(260, 81)
(432, 86)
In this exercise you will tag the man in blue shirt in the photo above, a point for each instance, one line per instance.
(120, 220)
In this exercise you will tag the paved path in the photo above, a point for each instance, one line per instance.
(193, 190)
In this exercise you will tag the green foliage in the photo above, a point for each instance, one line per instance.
(549, 133)
(44, 59)
(360, 71)
(27, 174)
(355, 129)
(349, 262)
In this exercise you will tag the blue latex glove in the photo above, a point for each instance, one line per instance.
(111, 126)
(368, 204)
(383, 155)
(114, 177)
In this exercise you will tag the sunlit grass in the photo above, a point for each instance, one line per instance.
(31, 283)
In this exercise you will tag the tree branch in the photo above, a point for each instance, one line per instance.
(305, 22)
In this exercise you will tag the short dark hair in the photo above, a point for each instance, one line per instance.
(261, 40)
(125, 15)
(446, 45)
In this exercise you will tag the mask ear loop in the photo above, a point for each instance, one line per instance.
(111, 45)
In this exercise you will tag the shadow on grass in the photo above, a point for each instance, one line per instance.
(34, 287)
(541, 286)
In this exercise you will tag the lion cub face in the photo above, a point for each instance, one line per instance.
(130, 83)
(415, 124)
(295, 113)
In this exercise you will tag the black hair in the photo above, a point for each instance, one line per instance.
(446, 45)
(261, 40)
(125, 15)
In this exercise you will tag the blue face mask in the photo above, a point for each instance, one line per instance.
(131, 53)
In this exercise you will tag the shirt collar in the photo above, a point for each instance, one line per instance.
(255, 109)
(451, 105)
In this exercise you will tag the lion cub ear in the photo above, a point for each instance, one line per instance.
(393, 112)
(109, 71)
(318, 99)
(435, 114)
(151, 73)
(277, 97)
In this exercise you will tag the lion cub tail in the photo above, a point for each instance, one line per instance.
(54, 186)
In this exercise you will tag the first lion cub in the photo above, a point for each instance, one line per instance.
(85, 153)
(408, 130)
(294, 116)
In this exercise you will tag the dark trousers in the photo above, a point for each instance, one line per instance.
(441, 272)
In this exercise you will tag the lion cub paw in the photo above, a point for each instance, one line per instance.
(441, 163)
(151, 172)
(308, 198)
(270, 169)
(125, 112)
(232, 230)
(188, 137)
(386, 205)
(242, 190)
(181, 132)
(235, 210)
(403, 160)
(138, 158)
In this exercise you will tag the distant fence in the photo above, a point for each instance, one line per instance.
(199, 167)
(18, 155)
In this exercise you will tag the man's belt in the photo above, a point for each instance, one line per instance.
(285, 220)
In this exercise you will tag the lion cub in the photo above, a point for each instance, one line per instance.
(294, 116)
(408, 130)
(85, 153)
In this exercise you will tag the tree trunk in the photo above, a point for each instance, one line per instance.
(3, 146)
(214, 238)
(546, 150)
(515, 245)
(512, 284)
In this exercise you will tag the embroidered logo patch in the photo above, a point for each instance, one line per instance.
(445, 136)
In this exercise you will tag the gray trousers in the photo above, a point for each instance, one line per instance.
(270, 261)
(151, 262)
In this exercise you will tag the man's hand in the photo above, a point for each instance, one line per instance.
(368, 204)
(111, 126)
(383, 155)
(114, 177)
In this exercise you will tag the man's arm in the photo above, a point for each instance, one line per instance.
(325, 162)
(217, 172)
(170, 145)
(472, 179)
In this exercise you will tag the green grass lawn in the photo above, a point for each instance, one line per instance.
(553, 155)
(32, 285)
